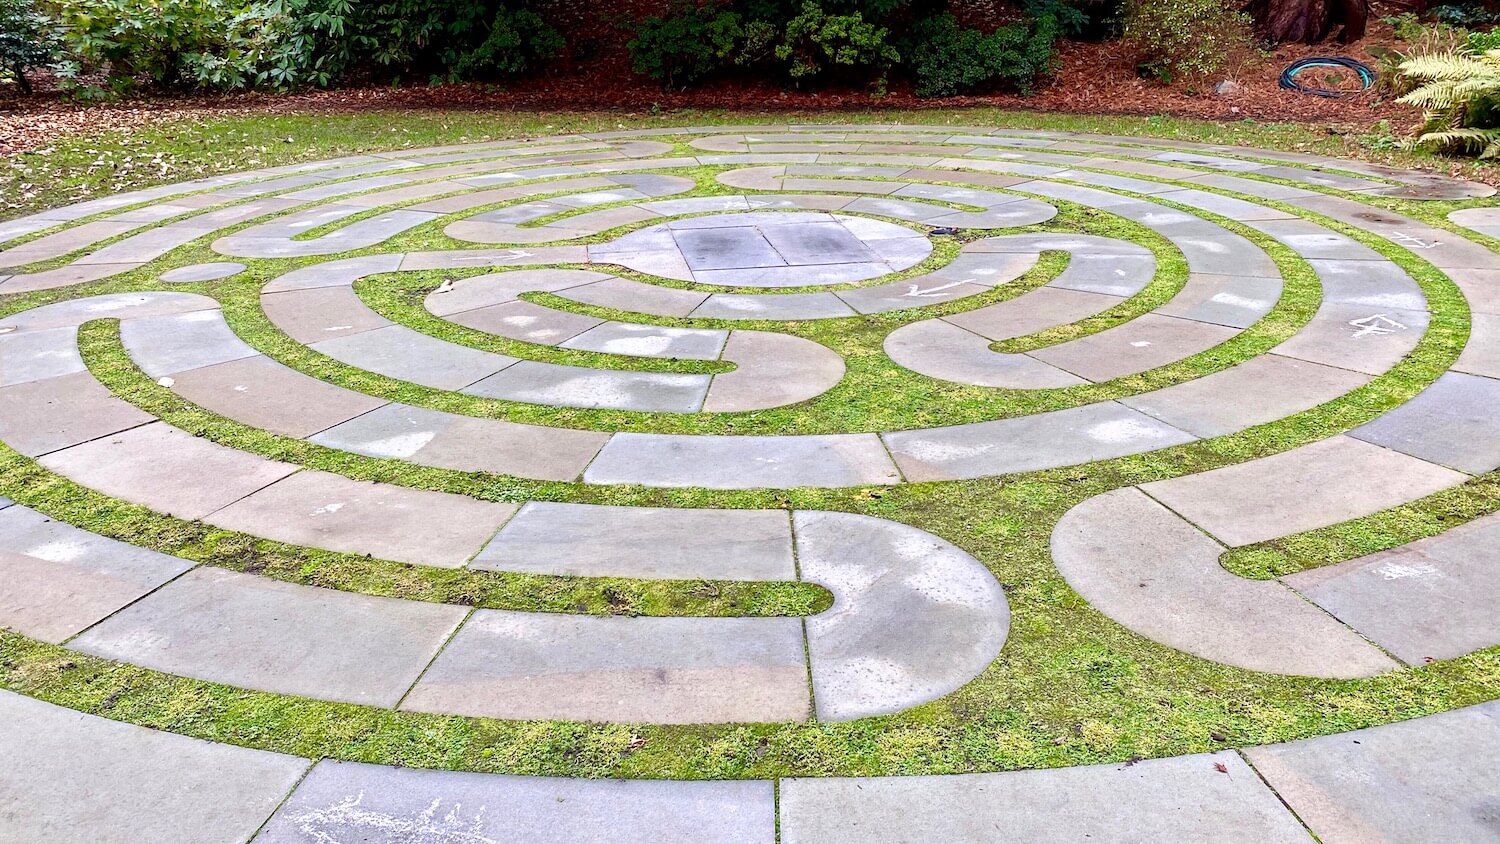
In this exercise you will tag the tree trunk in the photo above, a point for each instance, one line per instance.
(21, 80)
(1310, 21)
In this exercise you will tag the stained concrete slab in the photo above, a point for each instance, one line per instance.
(1146, 342)
(1316, 485)
(611, 668)
(1029, 443)
(258, 633)
(483, 291)
(468, 444)
(938, 349)
(166, 469)
(1034, 311)
(1356, 337)
(1455, 422)
(912, 293)
(1260, 390)
(317, 314)
(38, 417)
(773, 306)
(73, 777)
(540, 382)
(202, 272)
(1151, 571)
(742, 462)
(644, 542)
(1185, 798)
(323, 510)
(527, 322)
(1311, 240)
(58, 580)
(1381, 285)
(913, 617)
(626, 294)
(772, 370)
(1430, 779)
(165, 345)
(1235, 301)
(1428, 600)
(347, 801)
(262, 393)
(408, 355)
(653, 341)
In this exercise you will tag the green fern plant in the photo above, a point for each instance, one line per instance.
(1459, 93)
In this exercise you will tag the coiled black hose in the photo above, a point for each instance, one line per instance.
(1289, 76)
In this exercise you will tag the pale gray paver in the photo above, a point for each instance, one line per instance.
(1028, 443)
(316, 314)
(654, 341)
(340, 273)
(785, 306)
(56, 580)
(60, 243)
(940, 349)
(38, 417)
(912, 293)
(165, 345)
(1356, 337)
(258, 633)
(1427, 780)
(1184, 798)
(1154, 573)
(1263, 389)
(202, 272)
(1311, 240)
(608, 668)
(497, 289)
(772, 370)
(792, 276)
(1146, 342)
(262, 393)
(1482, 354)
(74, 273)
(1111, 275)
(1430, 599)
(166, 469)
(1316, 485)
(742, 462)
(330, 511)
(408, 355)
(452, 441)
(645, 542)
(1035, 311)
(347, 801)
(274, 240)
(71, 777)
(527, 322)
(1483, 220)
(1454, 422)
(1236, 301)
(626, 294)
(540, 382)
(913, 617)
(1374, 284)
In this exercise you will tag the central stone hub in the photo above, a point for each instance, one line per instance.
(768, 249)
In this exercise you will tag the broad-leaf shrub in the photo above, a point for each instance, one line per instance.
(693, 41)
(845, 46)
(28, 39)
(947, 59)
(1184, 38)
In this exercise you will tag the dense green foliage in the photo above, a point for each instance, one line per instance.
(948, 59)
(1183, 38)
(28, 39)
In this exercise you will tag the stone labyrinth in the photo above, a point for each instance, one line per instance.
(854, 447)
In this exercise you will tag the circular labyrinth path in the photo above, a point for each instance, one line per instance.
(744, 484)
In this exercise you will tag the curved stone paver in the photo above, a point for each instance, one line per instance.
(913, 618)
(73, 775)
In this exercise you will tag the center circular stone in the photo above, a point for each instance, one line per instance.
(768, 249)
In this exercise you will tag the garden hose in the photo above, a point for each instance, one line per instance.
(1289, 76)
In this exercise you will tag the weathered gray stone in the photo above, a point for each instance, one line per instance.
(1034, 311)
(1379, 285)
(497, 289)
(407, 355)
(1481, 356)
(1181, 799)
(71, 777)
(317, 314)
(1260, 390)
(59, 579)
(1453, 422)
(610, 668)
(202, 272)
(347, 801)
(166, 345)
(1427, 600)
(1235, 301)
(1316, 485)
(258, 633)
(913, 617)
(323, 510)
(742, 462)
(771, 306)
(1430, 779)
(468, 444)
(1029, 443)
(625, 294)
(530, 323)
(540, 382)
(938, 349)
(652, 341)
(913, 293)
(1356, 337)
(262, 393)
(75, 273)
(1149, 570)
(643, 542)
(771, 370)
(1147, 342)
(38, 417)
(60, 243)
(1311, 240)
(166, 469)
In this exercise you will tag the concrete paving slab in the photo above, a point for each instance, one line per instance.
(743, 462)
(408, 355)
(1455, 422)
(264, 394)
